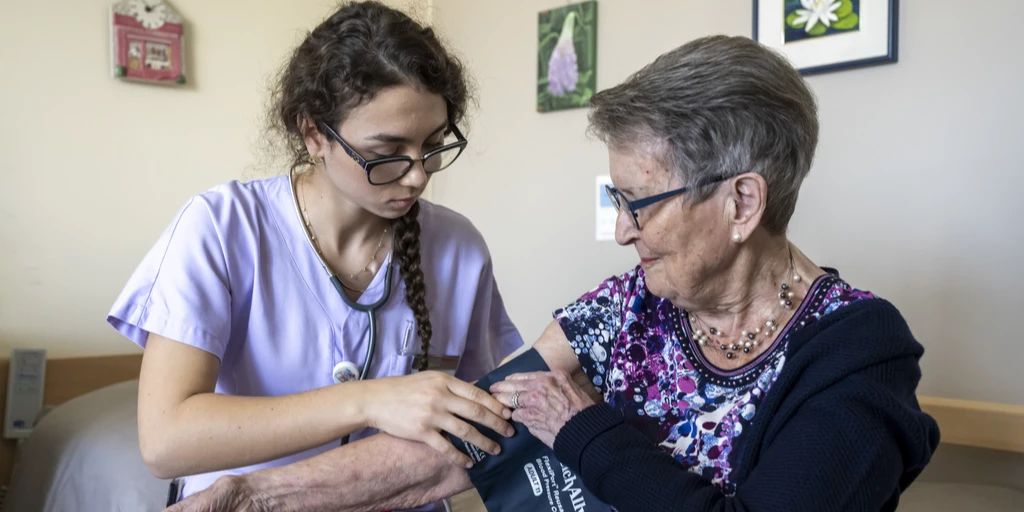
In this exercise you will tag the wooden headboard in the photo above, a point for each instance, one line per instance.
(67, 379)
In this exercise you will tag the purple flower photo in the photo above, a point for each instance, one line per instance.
(562, 71)
(567, 47)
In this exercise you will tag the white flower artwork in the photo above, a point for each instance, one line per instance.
(817, 11)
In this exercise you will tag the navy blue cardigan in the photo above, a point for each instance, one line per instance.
(840, 430)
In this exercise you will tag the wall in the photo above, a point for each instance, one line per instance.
(912, 195)
(94, 168)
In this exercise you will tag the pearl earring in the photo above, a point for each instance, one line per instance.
(736, 237)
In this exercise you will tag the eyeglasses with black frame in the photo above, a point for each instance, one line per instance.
(389, 169)
(633, 207)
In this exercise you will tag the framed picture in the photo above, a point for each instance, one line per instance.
(818, 36)
(147, 42)
(566, 56)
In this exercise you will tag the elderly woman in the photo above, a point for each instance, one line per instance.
(736, 374)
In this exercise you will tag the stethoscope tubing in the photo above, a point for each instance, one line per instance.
(369, 309)
(371, 312)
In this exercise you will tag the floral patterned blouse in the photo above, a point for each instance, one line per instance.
(639, 352)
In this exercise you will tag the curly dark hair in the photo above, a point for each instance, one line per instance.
(343, 63)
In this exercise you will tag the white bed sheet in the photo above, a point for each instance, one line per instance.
(83, 456)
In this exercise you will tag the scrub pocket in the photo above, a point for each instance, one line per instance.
(411, 353)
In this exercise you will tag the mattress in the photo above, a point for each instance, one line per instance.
(84, 456)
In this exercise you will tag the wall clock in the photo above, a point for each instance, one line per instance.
(147, 42)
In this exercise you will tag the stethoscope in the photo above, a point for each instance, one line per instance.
(345, 371)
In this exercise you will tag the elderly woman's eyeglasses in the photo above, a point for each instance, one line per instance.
(389, 169)
(633, 207)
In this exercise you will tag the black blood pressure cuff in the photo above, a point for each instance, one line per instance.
(525, 476)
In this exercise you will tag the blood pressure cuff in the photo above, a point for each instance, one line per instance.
(525, 476)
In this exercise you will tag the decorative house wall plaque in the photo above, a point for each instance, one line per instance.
(147, 42)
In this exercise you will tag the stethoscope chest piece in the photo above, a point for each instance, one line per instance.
(345, 371)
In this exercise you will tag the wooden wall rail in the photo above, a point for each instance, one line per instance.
(978, 424)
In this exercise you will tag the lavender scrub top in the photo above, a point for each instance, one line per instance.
(235, 276)
(638, 351)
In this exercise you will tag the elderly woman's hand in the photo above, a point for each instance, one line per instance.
(543, 401)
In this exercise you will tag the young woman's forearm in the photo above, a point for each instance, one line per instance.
(208, 431)
(185, 428)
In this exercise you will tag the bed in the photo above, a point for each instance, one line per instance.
(83, 456)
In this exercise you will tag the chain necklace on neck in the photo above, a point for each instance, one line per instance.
(749, 340)
(316, 245)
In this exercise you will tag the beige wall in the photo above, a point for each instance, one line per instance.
(911, 195)
(914, 193)
(94, 168)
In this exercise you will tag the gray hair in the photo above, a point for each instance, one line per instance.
(720, 106)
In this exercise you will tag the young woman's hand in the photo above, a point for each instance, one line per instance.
(419, 406)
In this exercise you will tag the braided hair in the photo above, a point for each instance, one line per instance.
(407, 250)
(343, 63)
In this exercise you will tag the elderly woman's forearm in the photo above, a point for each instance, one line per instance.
(378, 473)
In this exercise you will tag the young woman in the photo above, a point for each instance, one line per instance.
(281, 315)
